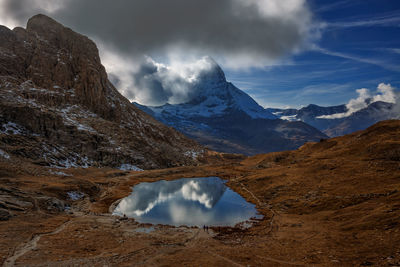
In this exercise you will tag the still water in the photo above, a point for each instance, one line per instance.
(188, 201)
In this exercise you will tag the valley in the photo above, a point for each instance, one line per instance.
(331, 203)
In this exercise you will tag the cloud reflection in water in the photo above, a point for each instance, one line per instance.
(188, 201)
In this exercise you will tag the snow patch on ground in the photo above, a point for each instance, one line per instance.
(12, 128)
(4, 154)
(14, 95)
(192, 154)
(129, 167)
(290, 118)
(59, 158)
(58, 173)
(76, 161)
(71, 113)
(75, 195)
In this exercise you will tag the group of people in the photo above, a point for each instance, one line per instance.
(205, 228)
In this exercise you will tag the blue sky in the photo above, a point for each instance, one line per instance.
(359, 47)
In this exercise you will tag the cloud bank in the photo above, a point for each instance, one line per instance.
(384, 93)
(251, 32)
(179, 33)
(154, 84)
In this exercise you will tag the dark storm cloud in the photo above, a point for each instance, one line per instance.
(237, 33)
(261, 28)
(156, 84)
(147, 77)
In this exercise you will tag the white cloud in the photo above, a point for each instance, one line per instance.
(152, 83)
(120, 69)
(377, 62)
(389, 21)
(336, 5)
(384, 93)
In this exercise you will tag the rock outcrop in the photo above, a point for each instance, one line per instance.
(58, 108)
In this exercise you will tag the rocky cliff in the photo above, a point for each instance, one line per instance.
(58, 108)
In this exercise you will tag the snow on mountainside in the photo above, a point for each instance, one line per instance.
(214, 97)
(306, 114)
(318, 117)
(227, 119)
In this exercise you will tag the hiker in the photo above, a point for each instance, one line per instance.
(204, 228)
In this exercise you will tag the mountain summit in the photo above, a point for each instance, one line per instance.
(214, 96)
(227, 119)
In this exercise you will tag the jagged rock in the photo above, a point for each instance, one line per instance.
(54, 204)
(58, 108)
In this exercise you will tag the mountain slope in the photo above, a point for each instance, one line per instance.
(58, 108)
(226, 119)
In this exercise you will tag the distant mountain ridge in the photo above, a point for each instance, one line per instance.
(227, 119)
(359, 120)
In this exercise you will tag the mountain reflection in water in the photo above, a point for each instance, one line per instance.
(188, 201)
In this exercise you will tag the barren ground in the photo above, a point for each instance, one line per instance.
(332, 203)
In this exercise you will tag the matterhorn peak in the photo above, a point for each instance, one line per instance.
(213, 73)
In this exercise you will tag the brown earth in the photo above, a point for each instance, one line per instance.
(332, 203)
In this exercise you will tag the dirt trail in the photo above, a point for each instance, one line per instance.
(251, 193)
(201, 234)
(281, 261)
(226, 259)
(31, 245)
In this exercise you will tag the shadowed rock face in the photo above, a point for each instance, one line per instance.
(49, 54)
(58, 105)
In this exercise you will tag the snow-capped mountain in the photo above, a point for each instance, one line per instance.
(214, 97)
(309, 114)
(227, 119)
(359, 120)
(306, 113)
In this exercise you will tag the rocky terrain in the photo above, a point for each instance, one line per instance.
(58, 108)
(226, 119)
(329, 203)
